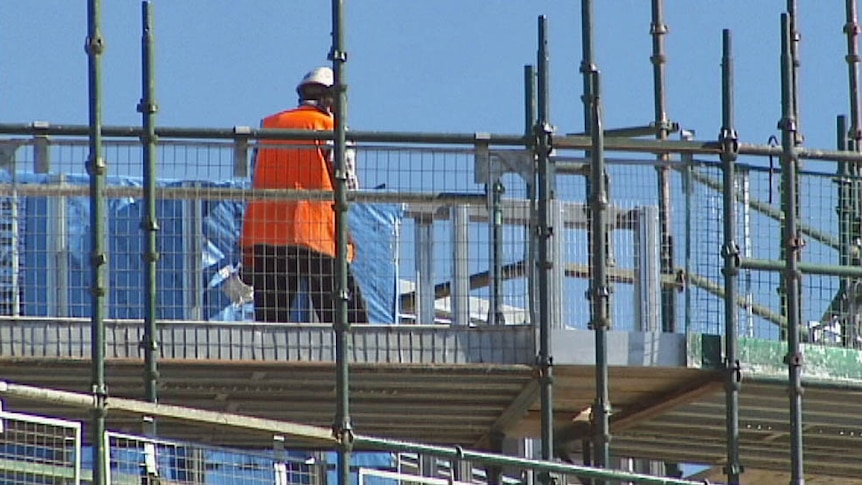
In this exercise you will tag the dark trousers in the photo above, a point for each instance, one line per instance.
(277, 275)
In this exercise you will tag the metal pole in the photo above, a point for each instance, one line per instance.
(149, 224)
(587, 69)
(546, 183)
(599, 291)
(730, 252)
(793, 61)
(844, 210)
(804, 268)
(747, 252)
(794, 57)
(851, 28)
(529, 126)
(495, 312)
(850, 230)
(587, 66)
(573, 142)
(793, 245)
(545, 467)
(688, 190)
(97, 168)
(658, 30)
(342, 426)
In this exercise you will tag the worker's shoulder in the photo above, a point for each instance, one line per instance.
(300, 117)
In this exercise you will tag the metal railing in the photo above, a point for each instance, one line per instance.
(37, 449)
(142, 459)
(442, 236)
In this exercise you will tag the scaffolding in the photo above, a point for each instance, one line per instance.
(541, 191)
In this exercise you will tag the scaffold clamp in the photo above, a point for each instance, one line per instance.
(729, 140)
(94, 45)
(337, 55)
(147, 107)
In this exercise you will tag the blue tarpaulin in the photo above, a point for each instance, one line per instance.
(214, 225)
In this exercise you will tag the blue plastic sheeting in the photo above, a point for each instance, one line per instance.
(190, 464)
(214, 227)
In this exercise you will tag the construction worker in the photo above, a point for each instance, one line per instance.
(290, 244)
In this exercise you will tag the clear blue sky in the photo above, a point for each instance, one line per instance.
(441, 65)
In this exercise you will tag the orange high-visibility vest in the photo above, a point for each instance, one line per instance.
(293, 223)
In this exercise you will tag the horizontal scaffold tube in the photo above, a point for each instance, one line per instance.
(573, 142)
(322, 436)
(805, 268)
(316, 434)
(40, 128)
(361, 442)
(238, 194)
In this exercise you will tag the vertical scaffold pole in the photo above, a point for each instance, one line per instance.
(849, 188)
(97, 168)
(546, 182)
(793, 53)
(495, 312)
(851, 29)
(795, 38)
(529, 99)
(844, 211)
(529, 125)
(730, 252)
(658, 30)
(587, 66)
(148, 108)
(599, 290)
(342, 426)
(793, 245)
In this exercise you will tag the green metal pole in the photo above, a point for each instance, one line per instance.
(587, 66)
(804, 268)
(852, 202)
(342, 427)
(658, 30)
(97, 168)
(478, 457)
(844, 210)
(793, 245)
(792, 15)
(687, 183)
(793, 43)
(149, 224)
(495, 313)
(599, 290)
(529, 126)
(535, 298)
(546, 183)
(529, 100)
(851, 29)
(730, 252)
(573, 142)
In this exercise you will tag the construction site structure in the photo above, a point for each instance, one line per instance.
(626, 315)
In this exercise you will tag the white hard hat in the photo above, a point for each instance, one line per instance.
(321, 76)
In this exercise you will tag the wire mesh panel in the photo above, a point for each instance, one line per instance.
(463, 236)
(414, 468)
(136, 459)
(635, 244)
(38, 450)
(440, 235)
